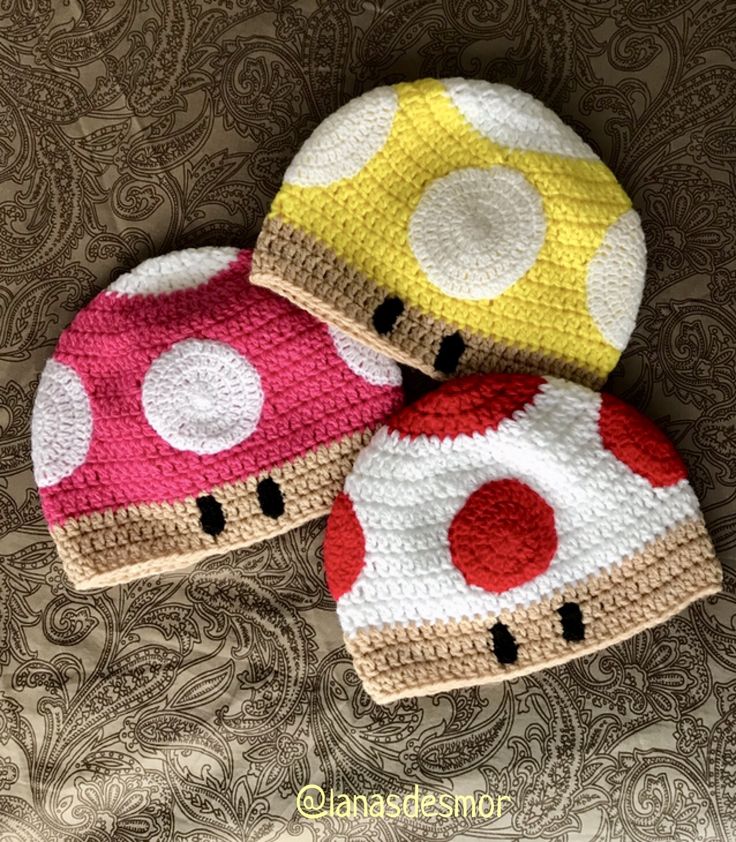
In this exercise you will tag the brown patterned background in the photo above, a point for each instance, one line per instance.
(192, 708)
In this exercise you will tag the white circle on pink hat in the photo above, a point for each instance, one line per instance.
(202, 395)
(476, 231)
(61, 425)
(175, 271)
(373, 366)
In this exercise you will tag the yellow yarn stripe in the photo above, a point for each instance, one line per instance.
(365, 221)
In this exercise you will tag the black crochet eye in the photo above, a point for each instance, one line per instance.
(270, 498)
(571, 617)
(504, 646)
(211, 515)
(451, 349)
(386, 314)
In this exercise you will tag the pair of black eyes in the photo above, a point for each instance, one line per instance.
(506, 649)
(212, 517)
(271, 501)
(451, 349)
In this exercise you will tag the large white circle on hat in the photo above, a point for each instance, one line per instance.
(515, 119)
(61, 424)
(174, 271)
(344, 142)
(475, 231)
(615, 280)
(365, 362)
(203, 396)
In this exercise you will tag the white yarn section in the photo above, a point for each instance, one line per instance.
(203, 396)
(174, 271)
(373, 366)
(344, 142)
(515, 119)
(61, 424)
(616, 277)
(475, 232)
(406, 493)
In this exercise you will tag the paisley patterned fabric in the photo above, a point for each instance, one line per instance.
(194, 707)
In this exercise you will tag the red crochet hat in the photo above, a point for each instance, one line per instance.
(506, 523)
(186, 411)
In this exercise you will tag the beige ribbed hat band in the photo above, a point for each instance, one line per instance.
(511, 519)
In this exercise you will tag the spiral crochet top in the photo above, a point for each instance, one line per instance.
(506, 523)
(185, 411)
(459, 226)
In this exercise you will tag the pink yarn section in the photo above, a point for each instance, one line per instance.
(311, 396)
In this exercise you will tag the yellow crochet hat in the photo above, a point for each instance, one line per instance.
(459, 226)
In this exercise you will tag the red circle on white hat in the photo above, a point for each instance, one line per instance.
(503, 536)
(473, 404)
(639, 443)
(344, 547)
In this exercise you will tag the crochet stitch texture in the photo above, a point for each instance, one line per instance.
(459, 226)
(505, 523)
(186, 411)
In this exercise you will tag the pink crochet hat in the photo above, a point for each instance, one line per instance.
(186, 411)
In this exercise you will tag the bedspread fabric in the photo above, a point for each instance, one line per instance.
(194, 707)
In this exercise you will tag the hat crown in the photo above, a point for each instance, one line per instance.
(183, 405)
(530, 502)
(490, 231)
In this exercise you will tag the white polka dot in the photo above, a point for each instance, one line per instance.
(515, 119)
(61, 426)
(202, 396)
(174, 271)
(476, 231)
(371, 365)
(616, 279)
(342, 144)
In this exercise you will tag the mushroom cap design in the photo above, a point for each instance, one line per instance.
(505, 523)
(186, 411)
(459, 226)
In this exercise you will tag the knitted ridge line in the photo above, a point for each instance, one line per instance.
(186, 411)
(459, 226)
(505, 523)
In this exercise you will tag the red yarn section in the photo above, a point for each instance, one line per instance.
(639, 443)
(344, 547)
(503, 536)
(472, 404)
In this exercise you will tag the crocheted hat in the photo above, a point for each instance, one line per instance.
(186, 411)
(459, 226)
(506, 523)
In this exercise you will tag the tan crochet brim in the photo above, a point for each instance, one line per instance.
(300, 268)
(400, 661)
(118, 545)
